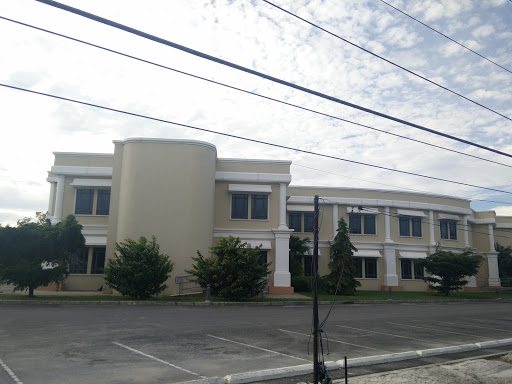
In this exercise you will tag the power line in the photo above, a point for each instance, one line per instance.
(256, 73)
(448, 37)
(251, 140)
(390, 185)
(249, 92)
(384, 59)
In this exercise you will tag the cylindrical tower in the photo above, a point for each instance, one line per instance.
(166, 188)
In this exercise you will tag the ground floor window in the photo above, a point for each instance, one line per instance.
(410, 270)
(365, 267)
(263, 258)
(308, 265)
(79, 261)
(98, 260)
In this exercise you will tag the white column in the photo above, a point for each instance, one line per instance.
(466, 232)
(51, 200)
(282, 276)
(491, 239)
(387, 225)
(334, 220)
(282, 206)
(494, 273)
(390, 276)
(59, 199)
(431, 228)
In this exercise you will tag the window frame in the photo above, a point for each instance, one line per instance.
(297, 219)
(79, 209)
(367, 261)
(105, 210)
(256, 199)
(361, 220)
(83, 262)
(448, 225)
(95, 270)
(245, 206)
(413, 223)
(249, 211)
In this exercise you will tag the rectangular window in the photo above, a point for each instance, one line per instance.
(409, 226)
(294, 221)
(98, 260)
(84, 201)
(263, 258)
(370, 268)
(308, 265)
(369, 225)
(418, 272)
(309, 222)
(239, 206)
(416, 226)
(406, 268)
(79, 261)
(358, 262)
(354, 223)
(103, 204)
(403, 223)
(448, 229)
(259, 207)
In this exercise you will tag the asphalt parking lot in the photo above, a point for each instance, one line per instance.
(172, 344)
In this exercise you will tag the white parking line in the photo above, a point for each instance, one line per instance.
(476, 326)
(10, 373)
(390, 334)
(333, 340)
(159, 360)
(438, 330)
(261, 349)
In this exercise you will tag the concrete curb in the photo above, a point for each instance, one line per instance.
(297, 370)
(210, 380)
(243, 304)
(276, 373)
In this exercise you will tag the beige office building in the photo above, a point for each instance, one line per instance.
(186, 196)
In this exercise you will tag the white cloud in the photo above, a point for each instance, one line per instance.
(483, 31)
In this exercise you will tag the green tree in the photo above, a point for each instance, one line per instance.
(138, 269)
(298, 248)
(38, 254)
(342, 265)
(234, 270)
(504, 260)
(448, 270)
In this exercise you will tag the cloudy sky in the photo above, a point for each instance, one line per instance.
(258, 36)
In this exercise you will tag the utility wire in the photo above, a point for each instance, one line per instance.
(256, 73)
(249, 139)
(390, 185)
(249, 92)
(448, 37)
(386, 60)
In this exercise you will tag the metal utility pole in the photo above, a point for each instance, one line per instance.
(315, 293)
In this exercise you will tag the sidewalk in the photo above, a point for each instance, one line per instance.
(495, 371)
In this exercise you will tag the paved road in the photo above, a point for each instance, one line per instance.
(170, 344)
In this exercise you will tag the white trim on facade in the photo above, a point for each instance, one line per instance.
(300, 208)
(165, 141)
(254, 161)
(83, 154)
(407, 212)
(250, 188)
(504, 225)
(265, 234)
(91, 183)
(72, 170)
(265, 245)
(411, 255)
(95, 240)
(471, 219)
(364, 211)
(367, 253)
(445, 216)
(382, 203)
(253, 177)
(97, 230)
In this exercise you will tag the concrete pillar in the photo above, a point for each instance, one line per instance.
(51, 200)
(282, 206)
(466, 232)
(491, 238)
(335, 219)
(390, 276)
(432, 240)
(282, 277)
(59, 200)
(387, 225)
(494, 273)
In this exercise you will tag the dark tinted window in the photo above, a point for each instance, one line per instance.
(98, 260)
(103, 205)
(370, 268)
(403, 222)
(309, 222)
(369, 225)
(354, 223)
(239, 206)
(259, 207)
(84, 201)
(294, 221)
